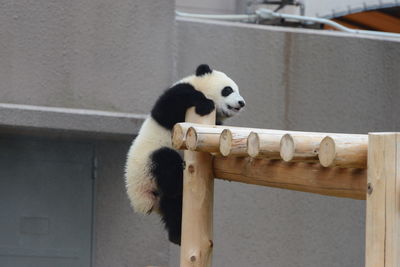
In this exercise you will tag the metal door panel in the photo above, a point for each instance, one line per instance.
(46, 195)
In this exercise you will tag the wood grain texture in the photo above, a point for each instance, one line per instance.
(197, 211)
(376, 20)
(264, 145)
(300, 147)
(233, 143)
(383, 201)
(348, 152)
(203, 139)
(178, 137)
(306, 177)
(234, 139)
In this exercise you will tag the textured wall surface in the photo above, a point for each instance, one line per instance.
(298, 80)
(119, 55)
(106, 55)
(111, 55)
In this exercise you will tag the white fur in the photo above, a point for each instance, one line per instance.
(139, 181)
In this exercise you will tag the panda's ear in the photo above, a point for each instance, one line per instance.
(203, 69)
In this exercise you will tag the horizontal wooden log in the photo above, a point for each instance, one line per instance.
(244, 130)
(187, 125)
(294, 145)
(264, 145)
(344, 151)
(179, 133)
(203, 139)
(306, 177)
(233, 143)
(300, 147)
(180, 130)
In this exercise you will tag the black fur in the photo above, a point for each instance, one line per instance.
(203, 69)
(167, 169)
(226, 91)
(171, 107)
(172, 217)
(167, 164)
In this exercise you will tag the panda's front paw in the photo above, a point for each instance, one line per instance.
(205, 107)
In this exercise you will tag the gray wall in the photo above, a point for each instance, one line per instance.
(298, 80)
(113, 56)
(87, 54)
(119, 55)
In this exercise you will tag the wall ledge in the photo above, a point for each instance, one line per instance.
(55, 119)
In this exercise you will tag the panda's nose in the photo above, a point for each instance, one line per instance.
(241, 103)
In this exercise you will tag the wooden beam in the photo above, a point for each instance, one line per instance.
(197, 211)
(306, 177)
(344, 23)
(204, 139)
(383, 201)
(376, 20)
(344, 151)
(300, 147)
(180, 131)
(349, 25)
(233, 143)
(262, 145)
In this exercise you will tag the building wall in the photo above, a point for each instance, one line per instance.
(104, 55)
(117, 56)
(88, 70)
(297, 80)
(207, 7)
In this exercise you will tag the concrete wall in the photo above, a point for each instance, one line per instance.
(113, 55)
(298, 80)
(91, 68)
(207, 6)
(117, 56)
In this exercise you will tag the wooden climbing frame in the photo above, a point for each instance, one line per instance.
(365, 167)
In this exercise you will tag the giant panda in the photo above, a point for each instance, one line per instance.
(154, 170)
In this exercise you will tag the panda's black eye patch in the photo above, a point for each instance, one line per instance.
(227, 91)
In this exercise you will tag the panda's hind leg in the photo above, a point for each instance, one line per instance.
(167, 170)
(171, 212)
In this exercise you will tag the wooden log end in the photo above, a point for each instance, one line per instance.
(327, 152)
(191, 139)
(178, 137)
(287, 147)
(253, 144)
(225, 142)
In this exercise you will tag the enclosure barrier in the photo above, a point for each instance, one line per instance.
(323, 163)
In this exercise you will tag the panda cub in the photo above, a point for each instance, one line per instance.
(154, 170)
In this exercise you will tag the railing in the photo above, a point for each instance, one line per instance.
(354, 166)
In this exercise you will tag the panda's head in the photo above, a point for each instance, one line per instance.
(218, 87)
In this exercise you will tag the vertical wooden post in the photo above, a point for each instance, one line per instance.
(198, 194)
(383, 201)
